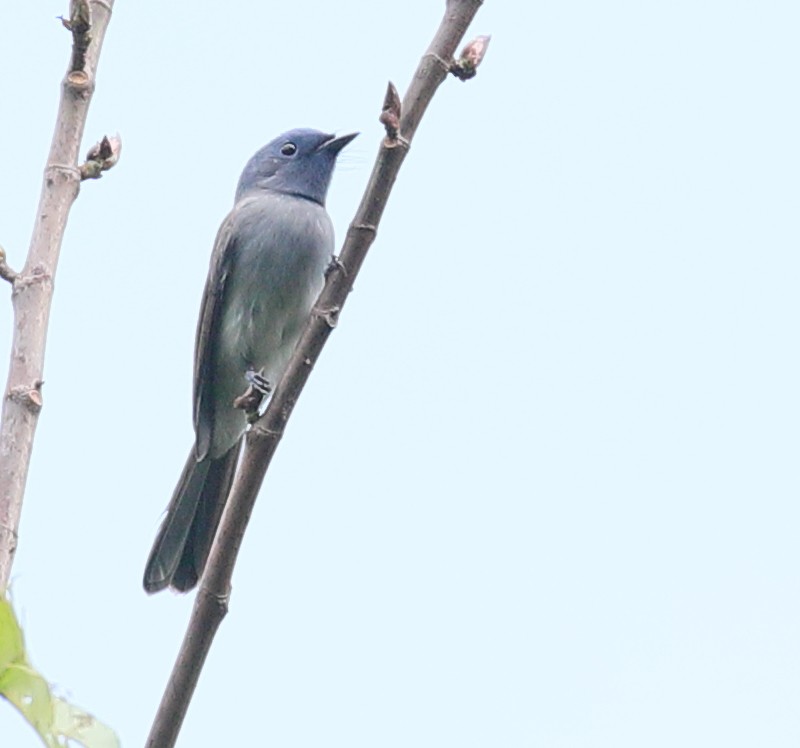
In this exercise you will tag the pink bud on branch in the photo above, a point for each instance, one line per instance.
(466, 66)
(390, 114)
(101, 157)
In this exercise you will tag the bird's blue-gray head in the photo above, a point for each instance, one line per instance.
(299, 162)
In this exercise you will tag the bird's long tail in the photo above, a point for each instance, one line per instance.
(184, 540)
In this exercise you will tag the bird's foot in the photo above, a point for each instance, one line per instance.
(250, 400)
(259, 382)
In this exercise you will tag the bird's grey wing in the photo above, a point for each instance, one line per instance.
(208, 335)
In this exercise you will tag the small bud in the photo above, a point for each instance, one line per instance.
(390, 114)
(101, 157)
(475, 51)
(107, 151)
(35, 399)
(471, 56)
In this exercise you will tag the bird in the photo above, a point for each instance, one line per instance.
(267, 268)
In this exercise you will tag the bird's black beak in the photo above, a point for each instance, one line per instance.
(335, 144)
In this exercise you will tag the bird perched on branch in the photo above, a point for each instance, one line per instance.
(267, 269)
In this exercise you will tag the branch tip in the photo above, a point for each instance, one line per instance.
(390, 114)
(466, 66)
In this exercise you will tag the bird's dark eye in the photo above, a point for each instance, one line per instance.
(288, 149)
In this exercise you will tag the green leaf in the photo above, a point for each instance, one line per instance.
(12, 647)
(54, 719)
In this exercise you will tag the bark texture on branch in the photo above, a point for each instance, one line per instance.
(32, 287)
(211, 603)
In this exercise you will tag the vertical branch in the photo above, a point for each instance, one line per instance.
(32, 287)
(211, 604)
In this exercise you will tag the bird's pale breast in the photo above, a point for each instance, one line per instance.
(284, 244)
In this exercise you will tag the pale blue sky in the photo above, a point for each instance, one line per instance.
(542, 489)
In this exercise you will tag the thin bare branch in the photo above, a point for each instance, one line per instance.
(211, 603)
(33, 285)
